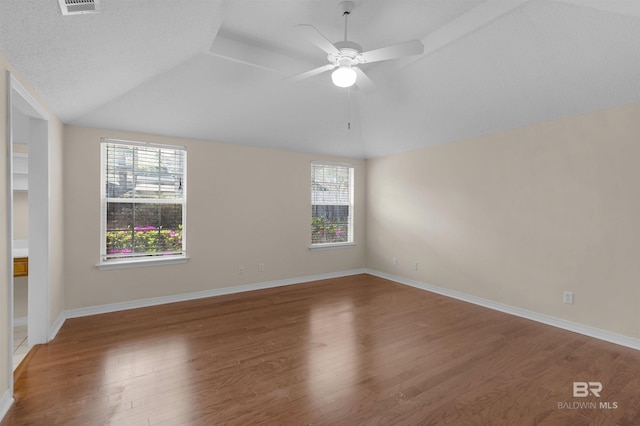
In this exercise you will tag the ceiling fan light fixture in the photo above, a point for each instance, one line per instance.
(344, 76)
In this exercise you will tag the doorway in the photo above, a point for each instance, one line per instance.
(28, 126)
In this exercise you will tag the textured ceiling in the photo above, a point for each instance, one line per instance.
(214, 70)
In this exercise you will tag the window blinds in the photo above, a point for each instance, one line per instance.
(144, 200)
(331, 203)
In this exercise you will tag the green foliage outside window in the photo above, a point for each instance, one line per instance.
(147, 239)
(324, 230)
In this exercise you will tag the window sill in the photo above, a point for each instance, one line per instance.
(328, 246)
(138, 263)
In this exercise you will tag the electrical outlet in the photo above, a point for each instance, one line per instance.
(260, 267)
(240, 269)
(568, 297)
(414, 265)
(395, 261)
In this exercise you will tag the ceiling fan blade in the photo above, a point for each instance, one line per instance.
(409, 48)
(363, 81)
(311, 73)
(315, 37)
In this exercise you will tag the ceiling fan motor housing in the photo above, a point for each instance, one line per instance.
(349, 51)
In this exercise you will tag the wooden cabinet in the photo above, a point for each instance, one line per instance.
(20, 266)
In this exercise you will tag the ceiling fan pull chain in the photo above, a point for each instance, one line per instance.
(348, 108)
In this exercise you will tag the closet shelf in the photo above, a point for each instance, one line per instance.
(20, 172)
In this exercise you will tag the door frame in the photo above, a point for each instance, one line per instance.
(38, 315)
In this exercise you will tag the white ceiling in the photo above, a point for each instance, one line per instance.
(214, 70)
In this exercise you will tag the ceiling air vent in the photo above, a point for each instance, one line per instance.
(78, 7)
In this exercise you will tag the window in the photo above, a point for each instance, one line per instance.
(143, 201)
(331, 203)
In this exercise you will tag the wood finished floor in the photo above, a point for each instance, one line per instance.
(350, 351)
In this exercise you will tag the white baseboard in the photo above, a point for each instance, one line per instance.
(57, 325)
(142, 303)
(597, 333)
(20, 321)
(586, 330)
(5, 403)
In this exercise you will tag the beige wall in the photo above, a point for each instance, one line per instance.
(245, 206)
(56, 285)
(21, 215)
(520, 216)
(20, 204)
(20, 297)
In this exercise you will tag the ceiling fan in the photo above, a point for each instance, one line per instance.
(345, 56)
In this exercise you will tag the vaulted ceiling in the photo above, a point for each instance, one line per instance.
(215, 69)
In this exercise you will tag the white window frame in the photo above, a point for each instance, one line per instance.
(350, 235)
(143, 260)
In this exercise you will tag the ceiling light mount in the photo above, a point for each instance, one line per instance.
(346, 7)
